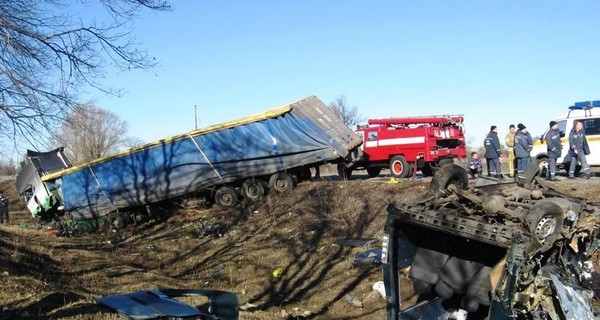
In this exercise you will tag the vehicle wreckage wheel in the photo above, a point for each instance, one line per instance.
(428, 170)
(281, 182)
(399, 167)
(445, 176)
(253, 190)
(545, 220)
(374, 172)
(543, 166)
(227, 197)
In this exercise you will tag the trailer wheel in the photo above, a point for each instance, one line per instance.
(281, 182)
(344, 172)
(399, 167)
(227, 197)
(253, 190)
(114, 220)
(374, 171)
(445, 176)
(545, 220)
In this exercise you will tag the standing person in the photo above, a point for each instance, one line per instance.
(474, 165)
(3, 208)
(523, 145)
(492, 152)
(554, 149)
(509, 140)
(578, 149)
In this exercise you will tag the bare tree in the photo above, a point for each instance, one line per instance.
(348, 115)
(47, 56)
(90, 132)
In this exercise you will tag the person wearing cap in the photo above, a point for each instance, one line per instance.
(493, 152)
(509, 140)
(523, 146)
(578, 149)
(554, 148)
(3, 208)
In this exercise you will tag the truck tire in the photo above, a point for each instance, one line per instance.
(281, 182)
(344, 172)
(450, 174)
(253, 190)
(374, 171)
(399, 167)
(545, 220)
(227, 197)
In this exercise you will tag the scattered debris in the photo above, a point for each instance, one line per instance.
(277, 272)
(357, 243)
(368, 258)
(248, 307)
(353, 301)
(379, 286)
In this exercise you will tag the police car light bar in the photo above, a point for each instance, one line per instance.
(585, 105)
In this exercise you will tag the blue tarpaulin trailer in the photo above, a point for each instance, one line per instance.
(271, 150)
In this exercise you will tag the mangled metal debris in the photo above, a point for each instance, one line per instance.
(498, 250)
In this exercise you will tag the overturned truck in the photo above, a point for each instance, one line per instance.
(496, 251)
(230, 162)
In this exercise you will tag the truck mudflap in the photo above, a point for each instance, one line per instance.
(501, 251)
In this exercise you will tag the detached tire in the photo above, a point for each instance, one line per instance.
(253, 190)
(281, 182)
(399, 167)
(374, 171)
(445, 176)
(545, 220)
(227, 197)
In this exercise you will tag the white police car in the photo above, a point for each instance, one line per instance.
(588, 112)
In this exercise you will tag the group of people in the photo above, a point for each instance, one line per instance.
(519, 144)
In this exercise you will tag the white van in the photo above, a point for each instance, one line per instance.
(587, 112)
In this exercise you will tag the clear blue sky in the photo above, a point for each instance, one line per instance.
(497, 62)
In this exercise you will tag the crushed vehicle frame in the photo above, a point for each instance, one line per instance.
(499, 250)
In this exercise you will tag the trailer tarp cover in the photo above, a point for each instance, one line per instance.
(302, 133)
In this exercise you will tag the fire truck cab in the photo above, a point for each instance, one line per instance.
(406, 144)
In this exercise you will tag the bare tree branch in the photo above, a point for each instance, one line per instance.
(349, 115)
(89, 132)
(46, 57)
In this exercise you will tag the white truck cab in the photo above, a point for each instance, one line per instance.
(588, 112)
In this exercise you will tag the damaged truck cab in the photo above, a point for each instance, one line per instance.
(496, 251)
(41, 197)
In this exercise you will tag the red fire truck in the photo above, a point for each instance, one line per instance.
(401, 143)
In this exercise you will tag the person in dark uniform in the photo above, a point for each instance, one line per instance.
(3, 208)
(554, 149)
(493, 152)
(474, 165)
(523, 146)
(578, 149)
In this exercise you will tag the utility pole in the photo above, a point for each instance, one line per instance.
(195, 118)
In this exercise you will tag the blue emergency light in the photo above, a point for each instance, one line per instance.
(585, 105)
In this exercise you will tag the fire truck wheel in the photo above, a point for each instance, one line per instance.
(399, 167)
(281, 182)
(450, 174)
(253, 190)
(373, 172)
(344, 172)
(227, 197)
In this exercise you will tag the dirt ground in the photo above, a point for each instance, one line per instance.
(47, 277)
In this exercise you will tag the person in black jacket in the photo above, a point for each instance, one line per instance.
(523, 146)
(3, 208)
(474, 165)
(554, 148)
(578, 149)
(493, 152)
